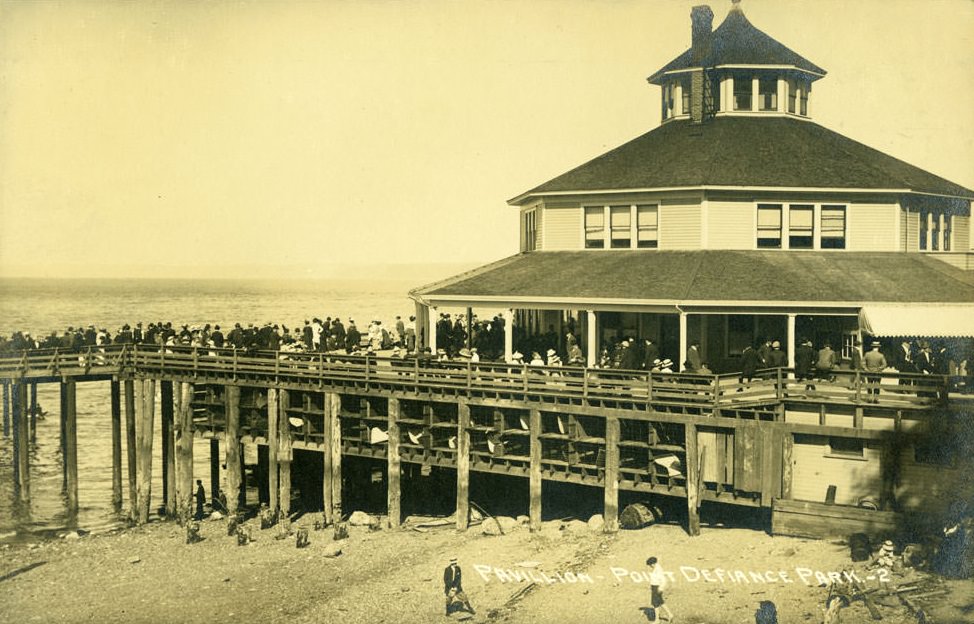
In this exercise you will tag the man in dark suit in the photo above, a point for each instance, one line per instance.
(456, 600)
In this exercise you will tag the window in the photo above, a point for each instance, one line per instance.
(594, 227)
(947, 224)
(620, 222)
(801, 227)
(792, 95)
(803, 111)
(647, 226)
(768, 94)
(769, 226)
(934, 232)
(685, 93)
(742, 93)
(667, 100)
(740, 333)
(833, 227)
(845, 447)
(529, 230)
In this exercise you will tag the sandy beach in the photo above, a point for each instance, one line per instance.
(149, 574)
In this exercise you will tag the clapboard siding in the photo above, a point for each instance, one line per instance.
(871, 227)
(539, 224)
(925, 486)
(679, 224)
(814, 472)
(912, 231)
(562, 227)
(962, 233)
(731, 225)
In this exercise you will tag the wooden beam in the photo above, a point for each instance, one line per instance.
(393, 490)
(534, 510)
(336, 455)
(130, 450)
(116, 400)
(21, 443)
(214, 470)
(693, 481)
(463, 465)
(232, 443)
(144, 426)
(611, 511)
(6, 408)
(69, 390)
(273, 411)
(184, 452)
(33, 412)
(327, 496)
(168, 449)
(285, 455)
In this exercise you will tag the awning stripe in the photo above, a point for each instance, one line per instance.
(933, 320)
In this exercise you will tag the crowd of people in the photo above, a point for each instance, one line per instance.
(472, 339)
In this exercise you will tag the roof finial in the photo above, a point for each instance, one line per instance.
(736, 5)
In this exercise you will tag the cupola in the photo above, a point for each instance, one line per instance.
(734, 70)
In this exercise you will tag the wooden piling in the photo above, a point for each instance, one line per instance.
(611, 510)
(183, 433)
(70, 400)
(262, 494)
(6, 408)
(534, 511)
(33, 412)
(116, 400)
(62, 427)
(130, 441)
(393, 490)
(273, 412)
(233, 451)
(214, 471)
(787, 449)
(335, 444)
(463, 465)
(693, 481)
(168, 450)
(144, 426)
(284, 456)
(21, 443)
(327, 496)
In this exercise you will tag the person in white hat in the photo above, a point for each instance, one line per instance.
(456, 600)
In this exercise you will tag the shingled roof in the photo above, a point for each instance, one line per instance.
(746, 152)
(687, 277)
(737, 42)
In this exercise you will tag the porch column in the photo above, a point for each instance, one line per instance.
(508, 334)
(591, 335)
(432, 317)
(683, 341)
(791, 341)
(422, 331)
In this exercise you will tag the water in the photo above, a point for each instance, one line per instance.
(40, 306)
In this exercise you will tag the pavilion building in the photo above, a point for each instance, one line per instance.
(737, 219)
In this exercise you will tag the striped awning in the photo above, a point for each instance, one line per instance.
(918, 319)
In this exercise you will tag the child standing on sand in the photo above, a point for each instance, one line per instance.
(657, 583)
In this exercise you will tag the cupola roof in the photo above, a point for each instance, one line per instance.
(738, 42)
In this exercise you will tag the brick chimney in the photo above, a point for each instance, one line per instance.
(702, 24)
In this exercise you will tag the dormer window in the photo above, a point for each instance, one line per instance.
(768, 94)
(685, 93)
(742, 92)
(792, 96)
(667, 100)
(803, 101)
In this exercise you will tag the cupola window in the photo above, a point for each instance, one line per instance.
(685, 94)
(743, 91)
(768, 94)
(792, 96)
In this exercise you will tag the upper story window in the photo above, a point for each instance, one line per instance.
(792, 96)
(743, 90)
(947, 224)
(801, 226)
(647, 226)
(685, 95)
(769, 226)
(833, 227)
(529, 230)
(668, 100)
(803, 101)
(768, 94)
(594, 227)
(620, 225)
(924, 229)
(934, 235)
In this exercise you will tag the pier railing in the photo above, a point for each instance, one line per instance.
(501, 380)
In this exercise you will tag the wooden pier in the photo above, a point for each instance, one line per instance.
(701, 438)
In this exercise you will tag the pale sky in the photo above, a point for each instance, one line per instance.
(181, 138)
